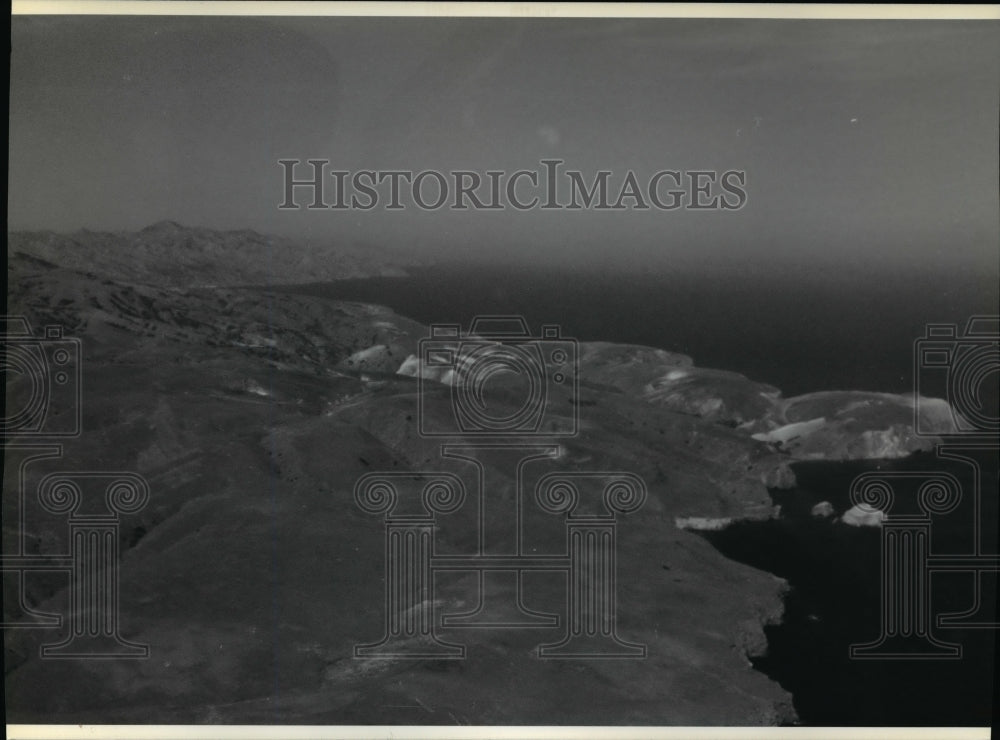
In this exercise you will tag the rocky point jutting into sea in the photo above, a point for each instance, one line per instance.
(252, 574)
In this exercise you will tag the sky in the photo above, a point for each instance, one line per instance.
(872, 142)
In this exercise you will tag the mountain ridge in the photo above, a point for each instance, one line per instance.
(171, 254)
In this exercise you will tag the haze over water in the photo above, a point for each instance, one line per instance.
(865, 144)
(800, 335)
(870, 150)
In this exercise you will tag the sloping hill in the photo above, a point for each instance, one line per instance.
(252, 573)
(167, 253)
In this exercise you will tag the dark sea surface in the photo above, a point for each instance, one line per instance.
(834, 601)
(801, 332)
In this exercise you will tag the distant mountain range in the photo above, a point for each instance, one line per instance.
(169, 254)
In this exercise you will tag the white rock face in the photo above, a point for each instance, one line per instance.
(853, 425)
(937, 415)
(702, 523)
(789, 432)
(823, 509)
(863, 516)
(412, 367)
(897, 441)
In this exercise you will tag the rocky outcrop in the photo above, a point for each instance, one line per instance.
(852, 425)
(822, 510)
(862, 516)
(672, 381)
(836, 425)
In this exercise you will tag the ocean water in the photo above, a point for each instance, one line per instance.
(834, 574)
(801, 332)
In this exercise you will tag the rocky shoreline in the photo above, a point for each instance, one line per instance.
(252, 573)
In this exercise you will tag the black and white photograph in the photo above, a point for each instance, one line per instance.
(534, 367)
